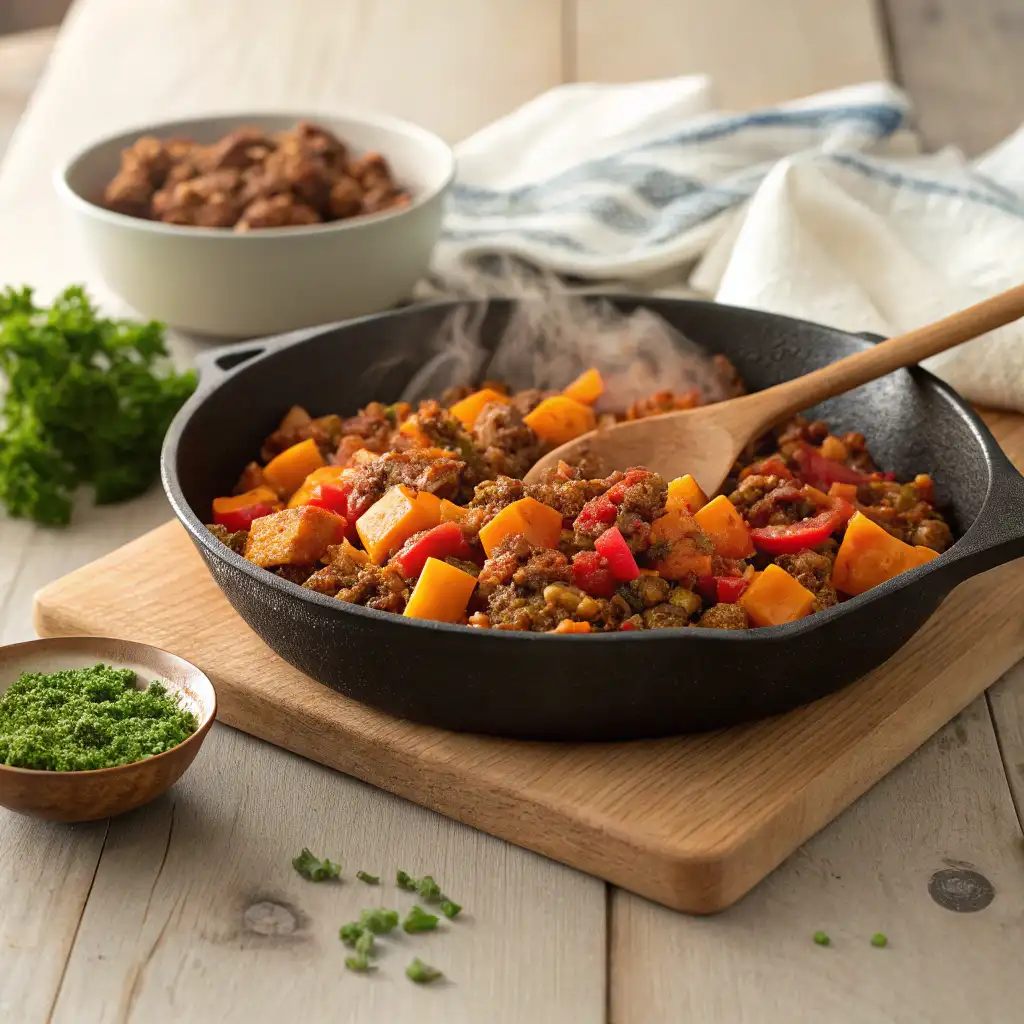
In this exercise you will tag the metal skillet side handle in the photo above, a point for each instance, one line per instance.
(997, 535)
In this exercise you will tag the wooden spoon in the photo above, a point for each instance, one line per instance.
(706, 441)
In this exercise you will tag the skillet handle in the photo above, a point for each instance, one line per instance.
(216, 363)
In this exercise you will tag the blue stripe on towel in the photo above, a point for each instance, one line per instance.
(898, 179)
(475, 199)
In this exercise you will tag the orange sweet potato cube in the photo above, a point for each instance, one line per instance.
(294, 536)
(468, 410)
(684, 492)
(540, 524)
(775, 598)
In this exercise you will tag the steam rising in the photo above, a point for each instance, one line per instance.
(553, 335)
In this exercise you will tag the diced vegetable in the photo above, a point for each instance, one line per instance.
(559, 419)
(411, 429)
(687, 548)
(312, 867)
(869, 556)
(775, 598)
(772, 466)
(469, 408)
(441, 593)
(729, 589)
(325, 474)
(357, 555)
(684, 492)
(286, 472)
(442, 541)
(293, 536)
(418, 920)
(587, 388)
(612, 546)
(591, 574)
(789, 538)
(597, 512)
(816, 469)
(450, 512)
(848, 492)
(540, 524)
(923, 554)
(239, 512)
(568, 626)
(391, 521)
(725, 528)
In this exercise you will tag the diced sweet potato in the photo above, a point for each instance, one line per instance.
(869, 556)
(726, 528)
(775, 598)
(559, 419)
(286, 472)
(388, 523)
(540, 524)
(467, 411)
(684, 492)
(586, 388)
(441, 593)
(683, 549)
(294, 536)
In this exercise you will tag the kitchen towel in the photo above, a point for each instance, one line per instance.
(823, 208)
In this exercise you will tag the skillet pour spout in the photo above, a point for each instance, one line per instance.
(609, 686)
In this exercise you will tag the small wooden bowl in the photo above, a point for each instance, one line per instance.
(88, 795)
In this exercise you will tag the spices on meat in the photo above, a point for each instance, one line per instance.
(422, 511)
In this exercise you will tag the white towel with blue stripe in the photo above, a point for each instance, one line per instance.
(823, 208)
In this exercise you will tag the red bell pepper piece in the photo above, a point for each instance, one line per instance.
(816, 469)
(597, 512)
(591, 574)
(441, 542)
(612, 546)
(729, 588)
(793, 537)
(723, 589)
(627, 627)
(707, 587)
(772, 466)
(331, 496)
(242, 518)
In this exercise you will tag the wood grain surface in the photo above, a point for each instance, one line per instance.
(119, 62)
(692, 822)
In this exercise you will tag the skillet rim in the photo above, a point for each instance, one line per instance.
(995, 459)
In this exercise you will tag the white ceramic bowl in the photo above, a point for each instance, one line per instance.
(222, 282)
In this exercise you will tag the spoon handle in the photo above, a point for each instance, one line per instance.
(768, 407)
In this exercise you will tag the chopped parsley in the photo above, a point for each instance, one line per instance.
(359, 963)
(879, 940)
(450, 909)
(82, 719)
(429, 891)
(379, 920)
(405, 881)
(822, 939)
(313, 868)
(422, 973)
(88, 401)
(350, 933)
(418, 920)
(369, 879)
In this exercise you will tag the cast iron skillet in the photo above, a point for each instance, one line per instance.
(614, 686)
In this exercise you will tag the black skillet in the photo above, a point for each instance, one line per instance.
(613, 686)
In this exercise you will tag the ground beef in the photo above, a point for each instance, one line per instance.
(631, 503)
(440, 476)
(377, 586)
(567, 490)
(512, 583)
(295, 573)
(235, 541)
(725, 616)
(666, 616)
(645, 591)
(783, 504)
(297, 426)
(526, 401)
(341, 572)
(509, 446)
(489, 498)
(372, 428)
(808, 568)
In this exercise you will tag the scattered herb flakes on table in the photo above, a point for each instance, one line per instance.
(88, 718)
(316, 870)
(422, 973)
(87, 401)
(369, 879)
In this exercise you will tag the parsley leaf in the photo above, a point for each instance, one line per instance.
(369, 879)
(359, 963)
(379, 920)
(350, 933)
(422, 973)
(418, 920)
(88, 401)
(429, 891)
(405, 881)
(313, 868)
(450, 908)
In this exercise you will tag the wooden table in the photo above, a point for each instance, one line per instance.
(188, 909)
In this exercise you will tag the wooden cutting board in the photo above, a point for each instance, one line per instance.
(693, 822)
